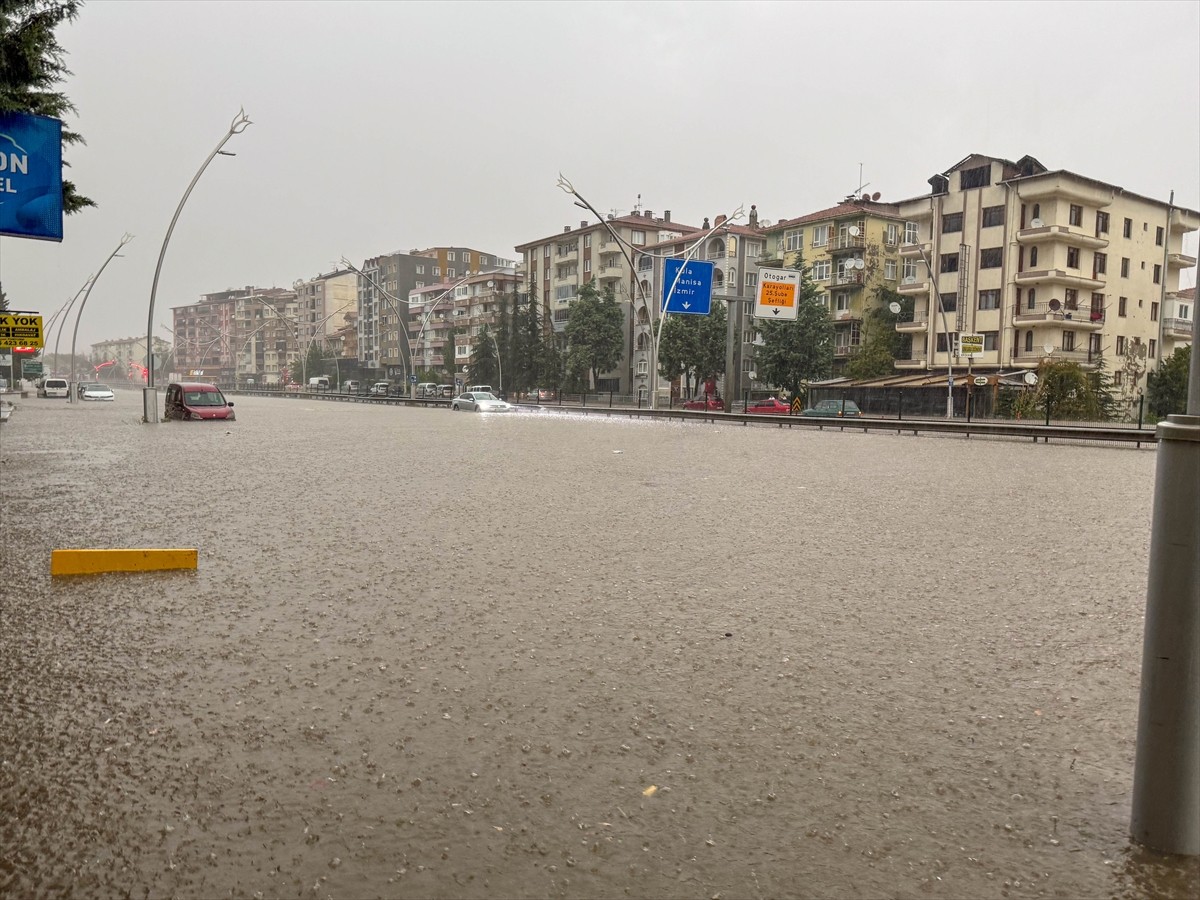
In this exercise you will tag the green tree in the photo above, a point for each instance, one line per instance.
(694, 347)
(483, 368)
(594, 332)
(1166, 388)
(1067, 392)
(31, 67)
(798, 351)
(881, 344)
(527, 340)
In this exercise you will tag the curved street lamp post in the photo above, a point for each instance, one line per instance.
(125, 239)
(150, 393)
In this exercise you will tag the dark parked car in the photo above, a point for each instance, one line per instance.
(834, 409)
(710, 402)
(772, 406)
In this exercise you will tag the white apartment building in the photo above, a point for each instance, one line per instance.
(445, 319)
(556, 267)
(323, 303)
(1045, 265)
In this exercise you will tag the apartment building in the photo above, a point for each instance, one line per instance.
(323, 302)
(237, 335)
(446, 319)
(383, 319)
(556, 267)
(735, 252)
(124, 358)
(851, 250)
(1045, 265)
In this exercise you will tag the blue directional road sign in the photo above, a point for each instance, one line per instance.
(412, 379)
(687, 288)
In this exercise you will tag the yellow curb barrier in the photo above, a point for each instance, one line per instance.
(92, 562)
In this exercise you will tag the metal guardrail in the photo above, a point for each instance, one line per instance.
(1124, 434)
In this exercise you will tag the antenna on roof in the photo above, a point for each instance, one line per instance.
(858, 191)
(638, 208)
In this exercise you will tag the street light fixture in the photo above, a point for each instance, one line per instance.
(149, 393)
(125, 239)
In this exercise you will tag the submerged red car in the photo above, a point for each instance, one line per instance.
(196, 400)
(772, 406)
(711, 402)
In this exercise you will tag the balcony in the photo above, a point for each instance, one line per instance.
(1059, 276)
(846, 243)
(610, 273)
(844, 351)
(849, 280)
(1183, 221)
(1180, 261)
(918, 323)
(916, 360)
(1060, 234)
(1068, 319)
(913, 288)
(770, 258)
(608, 245)
(1066, 187)
(563, 256)
(1032, 358)
(919, 251)
(1177, 329)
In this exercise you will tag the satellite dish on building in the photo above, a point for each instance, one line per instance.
(1036, 223)
(1031, 378)
(753, 375)
(1054, 304)
(894, 306)
(910, 279)
(875, 196)
(1049, 348)
(854, 231)
(859, 264)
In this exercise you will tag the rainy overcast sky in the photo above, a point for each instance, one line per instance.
(396, 126)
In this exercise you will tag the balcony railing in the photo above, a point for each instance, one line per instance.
(914, 322)
(839, 242)
(1177, 328)
(847, 279)
(1075, 354)
(1079, 318)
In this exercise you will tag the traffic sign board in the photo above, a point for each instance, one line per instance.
(31, 368)
(20, 330)
(778, 291)
(412, 379)
(687, 288)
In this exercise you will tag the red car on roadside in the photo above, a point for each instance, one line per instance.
(771, 406)
(709, 402)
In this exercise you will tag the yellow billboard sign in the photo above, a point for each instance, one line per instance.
(20, 330)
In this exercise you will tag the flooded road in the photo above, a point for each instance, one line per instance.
(434, 654)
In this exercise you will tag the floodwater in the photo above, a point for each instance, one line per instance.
(434, 654)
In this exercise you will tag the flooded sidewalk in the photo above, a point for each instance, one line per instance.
(435, 654)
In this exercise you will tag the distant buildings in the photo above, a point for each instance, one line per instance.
(124, 358)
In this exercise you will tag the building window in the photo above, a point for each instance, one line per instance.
(1121, 302)
(1032, 298)
(450, 273)
(1158, 236)
(450, 256)
(587, 240)
(752, 249)
(991, 340)
(1071, 298)
(1127, 230)
(912, 233)
(642, 367)
(842, 302)
(975, 178)
(949, 262)
(1076, 216)
(587, 265)
(794, 240)
(949, 302)
(908, 269)
(1072, 257)
(637, 238)
(751, 280)
(1068, 340)
(823, 299)
(483, 260)
(1118, 378)
(942, 343)
(437, 270)
(820, 270)
(1033, 255)
(1100, 264)
(952, 222)
(1101, 223)
(1028, 341)
(820, 235)
(1153, 348)
(993, 216)
(1124, 266)
(892, 234)
(1120, 345)
(1154, 311)
(991, 258)
(420, 270)
(546, 251)
(989, 299)
(889, 269)
(1157, 273)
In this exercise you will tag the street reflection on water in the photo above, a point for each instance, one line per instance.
(434, 654)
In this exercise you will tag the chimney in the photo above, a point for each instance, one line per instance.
(753, 216)
(566, 228)
(666, 215)
(649, 214)
(583, 224)
(705, 225)
(720, 219)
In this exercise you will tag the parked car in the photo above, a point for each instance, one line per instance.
(481, 388)
(540, 395)
(446, 390)
(710, 402)
(190, 400)
(427, 389)
(479, 401)
(771, 406)
(379, 389)
(834, 408)
(55, 387)
(350, 387)
(318, 383)
(96, 391)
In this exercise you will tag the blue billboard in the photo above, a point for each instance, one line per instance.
(687, 288)
(31, 176)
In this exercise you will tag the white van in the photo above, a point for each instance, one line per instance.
(479, 388)
(427, 389)
(54, 387)
(319, 383)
